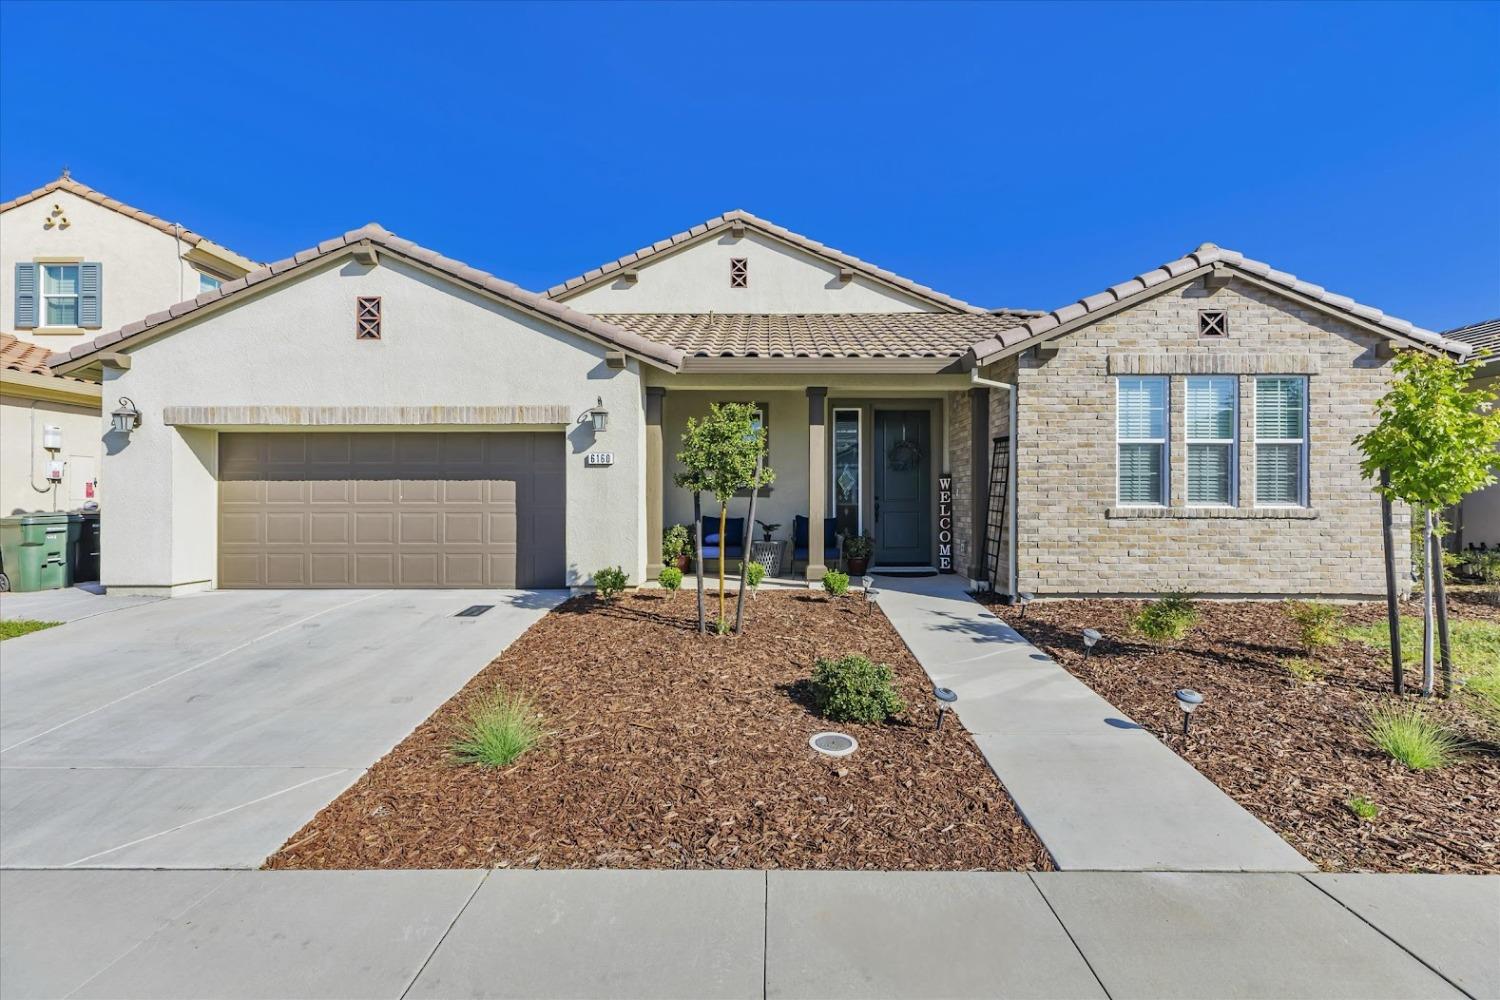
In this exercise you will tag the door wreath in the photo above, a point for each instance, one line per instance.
(904, 456)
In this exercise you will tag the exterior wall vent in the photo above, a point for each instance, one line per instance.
(1213, 323)
(367, 317)
(739, 272)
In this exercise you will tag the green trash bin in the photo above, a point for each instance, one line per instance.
(37, 550)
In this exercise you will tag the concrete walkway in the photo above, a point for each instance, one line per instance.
(1102, 793)
(68, 605)
(92, 933)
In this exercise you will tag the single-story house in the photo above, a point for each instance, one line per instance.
(369, 413)
(1476, 522)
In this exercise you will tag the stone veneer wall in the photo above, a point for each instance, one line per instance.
(1072, 538)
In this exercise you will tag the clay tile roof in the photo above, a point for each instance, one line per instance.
(68, 184)
(23, 356)
(1207, 254)
(818, 335)
(1483, 336)
(741, 217)
(377, 235)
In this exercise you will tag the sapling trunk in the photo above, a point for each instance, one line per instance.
(723, 545)
(1440, 599)
(1392, 609)
(698, 552)
(739, 604)
(1427, 673)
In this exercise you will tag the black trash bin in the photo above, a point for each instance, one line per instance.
(86, 551)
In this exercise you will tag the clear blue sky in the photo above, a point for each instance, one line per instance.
(1016, 155)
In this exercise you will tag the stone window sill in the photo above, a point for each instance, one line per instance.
(1222, 513)
(62, 331)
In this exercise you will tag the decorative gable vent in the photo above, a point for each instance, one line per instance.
(367, 317)
(1213, 323)
(739, 272)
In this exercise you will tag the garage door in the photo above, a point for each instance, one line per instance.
(391, 510)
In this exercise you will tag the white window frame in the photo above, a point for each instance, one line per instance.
(43, 320)
(1165, 441)
(208, 282)
(1302, 444)
(1232, 442)
(859, 462)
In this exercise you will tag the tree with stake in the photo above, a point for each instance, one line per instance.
(722, 454)
(1433, 443)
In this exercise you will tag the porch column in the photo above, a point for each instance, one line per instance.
(817, 480)
(656, 397)
(979, 479)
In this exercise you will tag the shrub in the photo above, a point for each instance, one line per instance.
(754, 574)
(609, 583)
(1167, 618)
(674, 542)
(497, 728)
(1318, 625)
(1306, 671)
(670, 578)
(836, 583)
(723, 626)
(1363, 808)
(852, 689)
(1484, 566)
(1411, 738)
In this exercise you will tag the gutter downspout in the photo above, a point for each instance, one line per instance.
(1010, 391)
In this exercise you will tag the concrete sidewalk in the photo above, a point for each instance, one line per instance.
(96, 933)
(1101, 792)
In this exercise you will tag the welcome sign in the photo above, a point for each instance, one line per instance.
(945, 523)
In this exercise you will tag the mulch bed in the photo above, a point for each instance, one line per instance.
(1292, 752)
(672, 750)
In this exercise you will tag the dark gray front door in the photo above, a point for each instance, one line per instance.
(903, 487)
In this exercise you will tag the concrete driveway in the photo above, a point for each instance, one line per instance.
(201, 732)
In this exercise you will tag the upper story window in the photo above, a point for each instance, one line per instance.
(739, 272)
(1281, 441)
(1141, 440)
(60, 295)
(207, 283)
(1212, 426)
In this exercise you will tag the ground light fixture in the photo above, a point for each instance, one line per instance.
(868, 582)
(945, 699)
(833, 744)
(1024, 598)
(599, 416)
(1187, 700)
(1091, 636)
(126, 417)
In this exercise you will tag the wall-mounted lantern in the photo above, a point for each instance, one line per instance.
(126, 417)
(599, 416)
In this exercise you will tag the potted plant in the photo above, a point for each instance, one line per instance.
(674, 547)
(857, 549)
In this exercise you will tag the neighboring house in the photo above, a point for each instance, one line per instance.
(371, 414)
(1476, 522)
(73, 262)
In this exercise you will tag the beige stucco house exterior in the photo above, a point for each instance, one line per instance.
(1476, 522)
(75, 262)
(369, 413)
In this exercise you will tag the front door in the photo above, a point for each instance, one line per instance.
(903, 487)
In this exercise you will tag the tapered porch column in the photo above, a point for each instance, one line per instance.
(817, 480)
(979, 480)
(656, 398)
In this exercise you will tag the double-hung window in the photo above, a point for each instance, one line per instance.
(1141, 440)
(60, 295)
(1212, 420)
(1281, 441)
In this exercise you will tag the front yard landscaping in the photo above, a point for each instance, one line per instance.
(665, 749)
(1290, 731)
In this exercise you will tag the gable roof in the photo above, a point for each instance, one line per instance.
(192, 239)
(1201, 261)
(374, 235)
(719, 223)
(1484, 336)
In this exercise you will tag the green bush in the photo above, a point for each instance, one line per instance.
(670, 578)
(1411, 738)
(497, 728)
(675, 542)
(1484, 566)
(754, 574)
(609, 583)
(1167, 618)
(836, 583)
(1318, 625)
(1306, 671)
(852, 689)
(1363, 808)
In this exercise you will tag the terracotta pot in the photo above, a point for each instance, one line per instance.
(682, 562)
(857, 567)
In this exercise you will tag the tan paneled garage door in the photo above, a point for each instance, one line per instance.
(391, 510)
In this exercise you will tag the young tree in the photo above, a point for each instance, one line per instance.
(722, 454)
(1433, 443)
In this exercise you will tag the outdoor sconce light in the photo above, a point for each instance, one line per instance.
(1187, 700)
(945, 699)
(1024, 598)
(599, 416)
(126, 417)
(1090, 637)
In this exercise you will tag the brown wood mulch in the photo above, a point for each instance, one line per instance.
(1292, 752)
(671, 750)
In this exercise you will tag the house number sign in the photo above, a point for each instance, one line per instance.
(945, 523)
(599, 458)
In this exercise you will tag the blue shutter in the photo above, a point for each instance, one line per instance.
(26, 298)
(90, 294)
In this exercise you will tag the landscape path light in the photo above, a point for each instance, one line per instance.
(1024, 598)
(945, 699)
(1187, 700)
(1090, 637)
